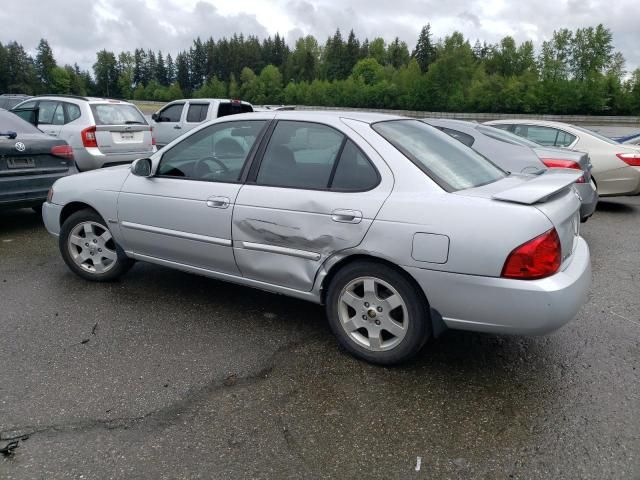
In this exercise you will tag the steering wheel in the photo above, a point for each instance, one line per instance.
(201, 162)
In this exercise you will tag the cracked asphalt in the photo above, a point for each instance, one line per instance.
(170, 375)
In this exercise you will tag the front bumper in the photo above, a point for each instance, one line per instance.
(51, 217)
(506, 306)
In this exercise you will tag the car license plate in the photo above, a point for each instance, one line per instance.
(127, 136)
(21, 162)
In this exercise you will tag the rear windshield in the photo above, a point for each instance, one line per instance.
(116, 114)
(232, 108)
(507, 137)
(447, 161)
(595, 134)
(10, 122)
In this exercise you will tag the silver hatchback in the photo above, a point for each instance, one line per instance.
(399, 229)
(102, 132)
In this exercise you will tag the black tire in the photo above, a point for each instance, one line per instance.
(418, 330)
(120, 266)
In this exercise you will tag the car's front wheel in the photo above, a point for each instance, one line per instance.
(377, 313)
(89, 249)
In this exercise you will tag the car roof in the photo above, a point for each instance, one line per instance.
(316, 115)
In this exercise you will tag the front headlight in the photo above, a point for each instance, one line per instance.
(50, 195)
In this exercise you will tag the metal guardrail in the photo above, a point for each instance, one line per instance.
(480, 117)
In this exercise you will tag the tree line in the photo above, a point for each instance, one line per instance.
(574, 72)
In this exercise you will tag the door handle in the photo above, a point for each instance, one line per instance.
(177, 127)
(218, 202)
(346, 216)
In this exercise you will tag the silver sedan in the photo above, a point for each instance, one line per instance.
(397, 228)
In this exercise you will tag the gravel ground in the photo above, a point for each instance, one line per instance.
(170, 375)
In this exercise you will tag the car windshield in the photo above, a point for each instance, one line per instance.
(504, 136)
(595, 134)
(116, 114)
(448, 162)
(10, 122)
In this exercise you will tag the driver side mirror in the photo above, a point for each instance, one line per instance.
(142, 167)
(155, 117)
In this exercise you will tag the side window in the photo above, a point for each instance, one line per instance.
(564, 139)
(49, 113)
(216, 153)
(197, 112)
(460, 136)
(172, 113)
(73, 112)
(300, 155)
(541, 135)
(354, 171)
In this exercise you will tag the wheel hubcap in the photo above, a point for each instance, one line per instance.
(373, 314)
(92, 247)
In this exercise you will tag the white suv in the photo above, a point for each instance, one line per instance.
(102, 132)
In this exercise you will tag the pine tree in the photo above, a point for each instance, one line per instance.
(171, 70)
(161, 70)
(44, 65)
(425, 52)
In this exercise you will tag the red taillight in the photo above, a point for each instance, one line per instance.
(631, 159)
(538, 258)
(62, 151)
(153, 139)
(89, 137)
(559, 163)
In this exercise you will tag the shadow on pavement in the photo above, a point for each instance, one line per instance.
(615, 207)
(18, 221)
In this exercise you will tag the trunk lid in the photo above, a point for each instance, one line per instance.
(581, 158)
(551, 193)
(35, 159)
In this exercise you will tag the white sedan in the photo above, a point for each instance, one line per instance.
(616, 167)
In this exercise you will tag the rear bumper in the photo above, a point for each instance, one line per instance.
(589, 196)
(92, 158)
(505, 306)
(18, 191)
(51, 217)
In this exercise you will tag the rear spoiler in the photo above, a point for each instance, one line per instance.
(540, 188)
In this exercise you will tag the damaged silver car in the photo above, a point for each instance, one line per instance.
(397, 228)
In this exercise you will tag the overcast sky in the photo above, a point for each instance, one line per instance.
(76, 29)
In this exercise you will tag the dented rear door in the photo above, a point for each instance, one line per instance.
(283, 234)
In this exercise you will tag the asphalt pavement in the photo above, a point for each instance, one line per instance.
(169, 375)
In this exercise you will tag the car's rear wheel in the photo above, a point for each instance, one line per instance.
(377, 313)
(89, 249)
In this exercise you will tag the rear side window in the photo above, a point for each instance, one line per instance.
(354, 171)
(116, 114)
(503, 135)
(73, 112)
(460, 136)
(451, 165)
(197, 112)
(233, 108)
(10, 122)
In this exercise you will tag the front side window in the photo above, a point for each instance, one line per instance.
(216, 153)
(197, 112)
(449, 163)
(172, 113)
